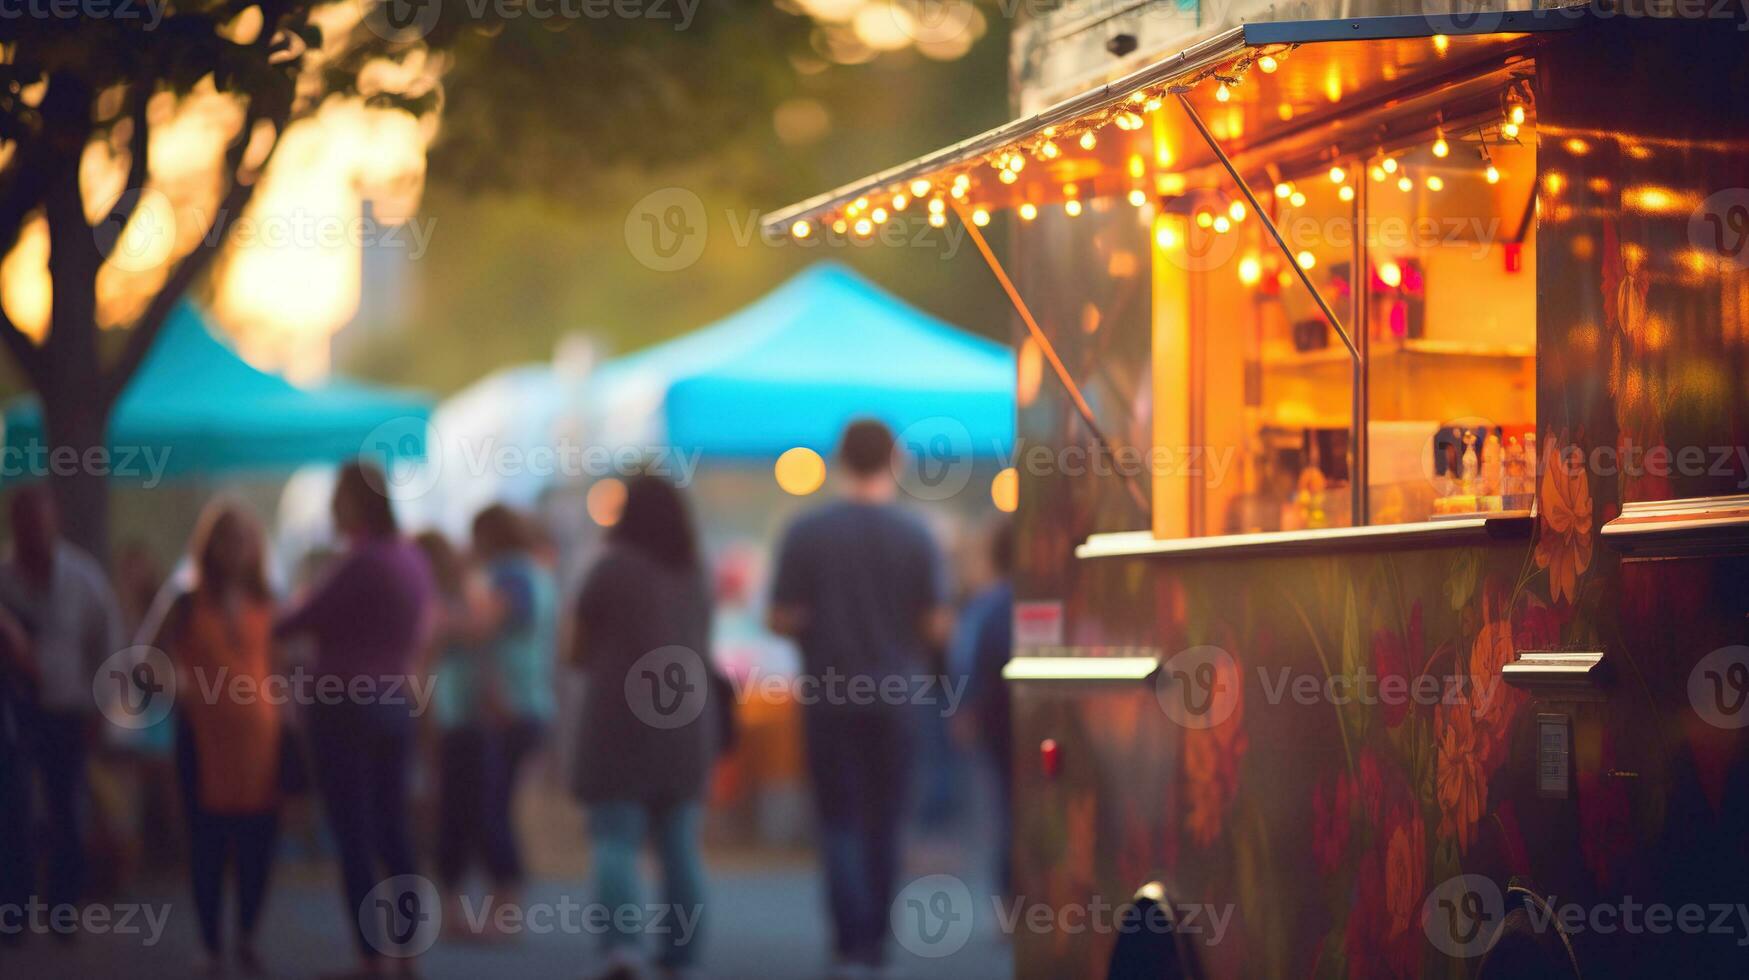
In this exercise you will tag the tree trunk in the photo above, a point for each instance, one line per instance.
(76, 426)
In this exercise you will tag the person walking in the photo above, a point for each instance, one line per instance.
(228, 748)
(860, 588)
(642, 641)
(61, 602)
(983, 643)
(368, 619)
(521, 635)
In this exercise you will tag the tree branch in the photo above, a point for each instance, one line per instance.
(24, 352)
(146, 329)
(139, 166)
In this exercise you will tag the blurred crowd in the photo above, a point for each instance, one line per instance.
(402, 654)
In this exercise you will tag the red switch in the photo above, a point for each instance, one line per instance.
(1050, 758)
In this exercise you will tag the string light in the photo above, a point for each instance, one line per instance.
(1515, 114)
(1493, 174)
(1222, 94)
(860, 204)
(801, 229)
(1016, 162)
(1008, 177)
(1088, 140)
(1338, 175)
(1166, 237)
(1376, 172)
(879, 215)
(1236, 210)
(1267, 65)
(980, 217)
(937, 205)
(1510, 131)
(1138, 197)
(863, 227)
(1283, 189)
(1128, 121)
(958, 191)
(1250, 270)
(1306, 260)
(1049, 149)
(1028, 211)
(1389, 164)
(1435, 182)
(1345, 192)
(1404, 184)
(839, 226)
(1222, 225)
(1072, 208)
(919, 187)
(1440, 147)
(1204, 219)
(900, 201)
(1298, 200)
(937, 219)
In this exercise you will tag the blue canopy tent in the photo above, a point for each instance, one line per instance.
(209, 412)
(792, 368)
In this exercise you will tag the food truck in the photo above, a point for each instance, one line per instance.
(1400, 628)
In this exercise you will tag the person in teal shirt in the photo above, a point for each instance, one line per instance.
(519, 644)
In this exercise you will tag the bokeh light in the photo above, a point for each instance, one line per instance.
(800, 471)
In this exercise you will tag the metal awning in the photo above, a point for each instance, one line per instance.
(1286, 86)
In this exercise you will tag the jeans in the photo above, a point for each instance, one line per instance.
(617, 833)
(363, 755)
(51, 745)
(859, 763)
(215, 839)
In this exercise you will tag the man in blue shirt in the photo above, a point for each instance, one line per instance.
(860, 588)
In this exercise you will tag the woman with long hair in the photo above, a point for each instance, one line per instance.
(369, 619)
(228, 748)
(642, 639)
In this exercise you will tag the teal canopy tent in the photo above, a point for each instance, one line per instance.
(200, 410)
(793, 367)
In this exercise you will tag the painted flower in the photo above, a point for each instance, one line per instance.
(1462, 787)
(1394, 654)
(1564, 546)
(1211, 764)
(1405, 867)
(1493, 703)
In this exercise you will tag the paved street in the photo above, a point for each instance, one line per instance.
(766, 921)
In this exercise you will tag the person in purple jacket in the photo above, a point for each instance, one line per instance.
(368, 620)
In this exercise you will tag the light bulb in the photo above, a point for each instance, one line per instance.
(1441, 148)
(879, 215)
(1236, 210)
(1283, 189)
(1267, 65)
(1377, 173)
(1345, 192)
(937, 205)
(980, 217)
(1250, 270)
(1072, 208)
(1298, 200)
(1138, 197)
(1088, 140)
(864, 227)
(1222, 225)
(1204, 219)
(1404, 183)
(1510, 131)
(937, 219)
(900, 201)
(1338, 175)
(1306, 260)
(1435, 183)
(1166, 237)
(1008, 177)
(1390, 165)
(919, 187)
(1049, 150)
(1221, 94)
(1516, 114)
(840, 226)
(1028, 211)
(1493, 174)
(801, 229)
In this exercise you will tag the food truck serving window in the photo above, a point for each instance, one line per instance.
(1422, 248)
